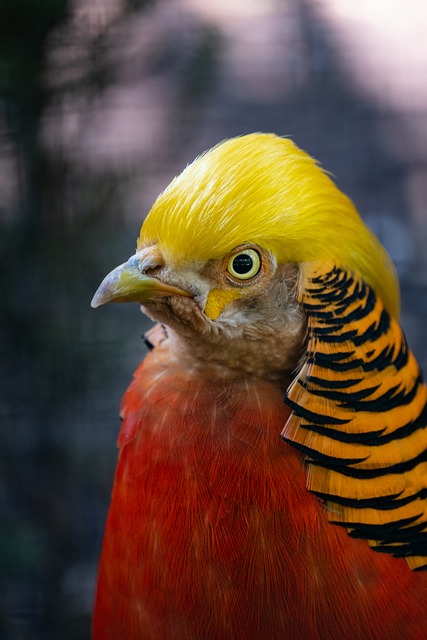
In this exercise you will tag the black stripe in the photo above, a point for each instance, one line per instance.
(335, 275)
(322, 460)
(386, 531)
(358, 313)
(345, 282)
(392, 550)
(329, 296)
(402, 550)
(343, 301)
(344, 295)
(382, 503)
(375, 330)
(326, 330)
(339, 396)
(383, 360)
(387, 401)
(315, 310)
(366, 503)
(372, 438)
(351, 472)
(415, 547)
(406, 537)
(348, 336)
(329, 361)
(386, 359)
(355, 296)
(402, 432)
(401, 359)
(338, 279)
(328, 357)
(366, 438)
(334, 384)
(317, 418)
(412, 534)
(368, 304)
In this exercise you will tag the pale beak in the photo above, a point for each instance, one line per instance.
(128, 283)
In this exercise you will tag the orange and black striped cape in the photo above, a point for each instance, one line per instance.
(359, 415)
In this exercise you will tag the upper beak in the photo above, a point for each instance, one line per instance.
(128, 283)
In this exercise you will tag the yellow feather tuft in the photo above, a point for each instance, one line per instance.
(262, 189)
(218, 299)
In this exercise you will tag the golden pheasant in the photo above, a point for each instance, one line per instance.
(278, 313)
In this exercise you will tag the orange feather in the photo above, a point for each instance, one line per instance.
(360, 412)
(212, 534)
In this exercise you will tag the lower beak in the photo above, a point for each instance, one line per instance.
(126, 283)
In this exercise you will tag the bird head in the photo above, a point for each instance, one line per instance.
(220, 254)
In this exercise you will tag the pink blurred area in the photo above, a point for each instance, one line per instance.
(267, 61)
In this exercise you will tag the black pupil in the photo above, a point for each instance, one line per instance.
(243, 263)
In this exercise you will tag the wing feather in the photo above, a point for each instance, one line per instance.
(359, 414)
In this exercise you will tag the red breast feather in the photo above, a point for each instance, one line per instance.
(211, 532)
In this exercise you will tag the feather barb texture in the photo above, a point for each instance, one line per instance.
(360, 415)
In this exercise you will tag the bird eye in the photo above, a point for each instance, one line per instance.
(244, 265)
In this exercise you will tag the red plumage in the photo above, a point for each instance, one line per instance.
(212, 534)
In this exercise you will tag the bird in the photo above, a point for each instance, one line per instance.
(272, 472)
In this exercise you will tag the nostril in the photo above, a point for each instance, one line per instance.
(153, 271)
(150, 260)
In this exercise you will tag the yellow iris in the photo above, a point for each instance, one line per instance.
(245, 264)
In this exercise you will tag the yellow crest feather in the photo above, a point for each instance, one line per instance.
(263, 189)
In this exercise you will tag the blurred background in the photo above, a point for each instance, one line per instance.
(102, 102)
